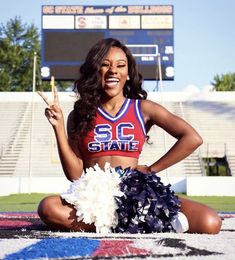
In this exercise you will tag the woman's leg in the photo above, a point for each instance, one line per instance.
(57, 214)
(201, 218)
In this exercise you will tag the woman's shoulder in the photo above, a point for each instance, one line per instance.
(147, 104)
(153, 110)
(143, 102)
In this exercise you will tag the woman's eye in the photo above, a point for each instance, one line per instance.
(107, 65)
(121, 65)
(104, 65)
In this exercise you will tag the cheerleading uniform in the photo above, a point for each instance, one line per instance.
(131, 201)
(122, 135)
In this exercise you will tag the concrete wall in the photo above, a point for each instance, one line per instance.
(194, 186)
(221, 186)
(210, 186)
(15, 185)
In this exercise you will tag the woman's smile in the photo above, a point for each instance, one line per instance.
(112, 82)
(114, 71)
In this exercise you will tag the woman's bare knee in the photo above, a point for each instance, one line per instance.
(57, 214)
(53, 213)
(201, 218)
(47, 209)
(212, 223)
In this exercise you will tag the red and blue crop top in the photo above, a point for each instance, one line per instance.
(122, 135)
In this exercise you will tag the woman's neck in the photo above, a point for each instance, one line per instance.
(113, 105)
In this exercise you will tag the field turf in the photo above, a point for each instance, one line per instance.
(29, 202)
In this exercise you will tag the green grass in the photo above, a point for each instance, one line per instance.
(29, 202)
(219, 203)
(21, 202)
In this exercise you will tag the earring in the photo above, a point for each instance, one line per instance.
(128, 78)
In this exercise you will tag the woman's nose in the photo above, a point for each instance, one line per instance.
(112, 68)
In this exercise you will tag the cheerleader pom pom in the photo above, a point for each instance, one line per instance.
(93, 196)
(147, 205)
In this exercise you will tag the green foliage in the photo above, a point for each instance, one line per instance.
(225, 82)
(216, 166)
(18, 43)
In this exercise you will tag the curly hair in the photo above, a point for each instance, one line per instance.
(89, 88)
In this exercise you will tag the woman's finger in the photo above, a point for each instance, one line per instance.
(48, 112)
(44, 97)
(56, 97)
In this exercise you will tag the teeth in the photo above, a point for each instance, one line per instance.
(112, 80)
(111, 83)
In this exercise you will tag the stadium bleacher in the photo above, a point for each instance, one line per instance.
(28, 148)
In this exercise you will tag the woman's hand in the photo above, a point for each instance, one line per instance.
(143, 168)
(53, 112)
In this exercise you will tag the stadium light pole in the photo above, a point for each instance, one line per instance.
(159, 70)
(34, 70)
(161, 95)
(32, 120)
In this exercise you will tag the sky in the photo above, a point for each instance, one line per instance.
(204, 36)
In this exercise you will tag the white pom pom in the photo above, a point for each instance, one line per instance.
(93, 197)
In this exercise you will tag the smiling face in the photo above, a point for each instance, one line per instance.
(114, 72)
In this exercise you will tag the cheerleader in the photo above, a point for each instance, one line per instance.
(109, 124)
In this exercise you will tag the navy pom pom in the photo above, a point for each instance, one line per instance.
(147, 205)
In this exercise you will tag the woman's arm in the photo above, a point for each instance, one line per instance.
(71, 160)
(187, 137)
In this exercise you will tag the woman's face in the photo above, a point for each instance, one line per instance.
(114, 71)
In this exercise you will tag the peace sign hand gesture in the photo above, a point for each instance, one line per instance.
(53, 111)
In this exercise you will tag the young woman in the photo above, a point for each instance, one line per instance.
(109, 124)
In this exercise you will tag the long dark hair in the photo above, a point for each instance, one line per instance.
(89, 89)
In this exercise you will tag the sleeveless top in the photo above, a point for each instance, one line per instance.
(122, 135)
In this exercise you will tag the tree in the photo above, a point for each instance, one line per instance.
(18, 42)
(225, 82)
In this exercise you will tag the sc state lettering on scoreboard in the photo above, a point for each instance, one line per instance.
(146, 30)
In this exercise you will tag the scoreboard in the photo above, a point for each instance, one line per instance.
(69, 31)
